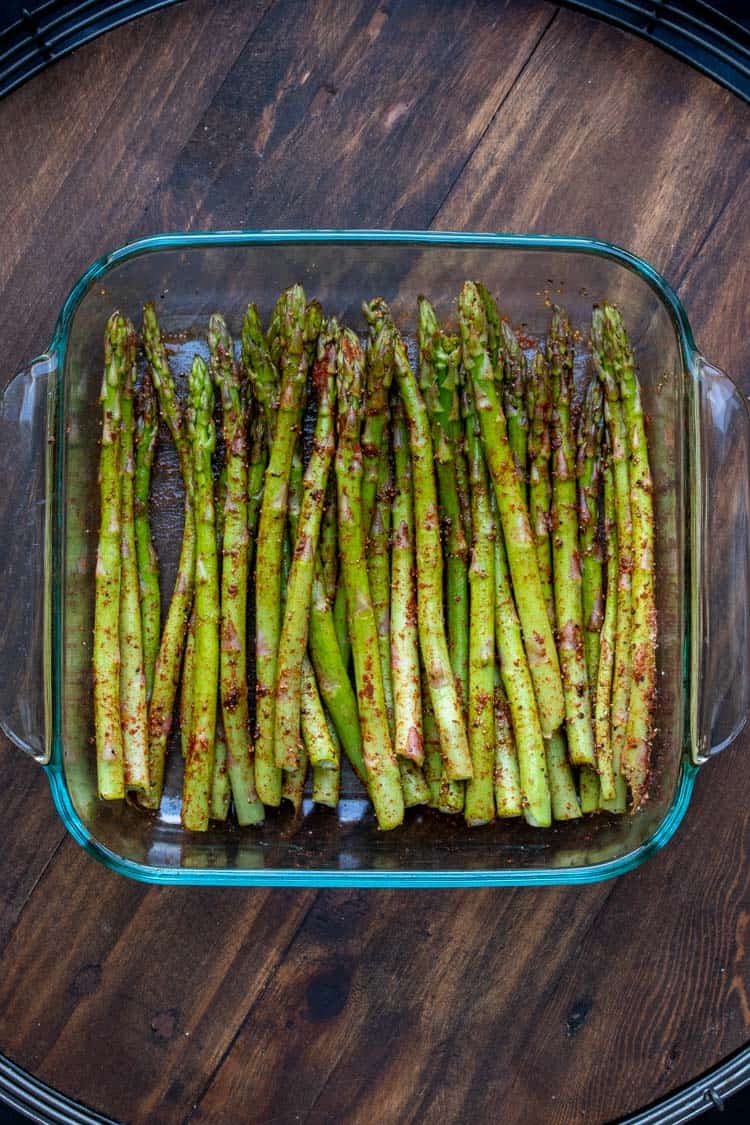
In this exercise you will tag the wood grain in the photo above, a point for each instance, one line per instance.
(257, 1006)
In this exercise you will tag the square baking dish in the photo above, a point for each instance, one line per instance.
(699, 440)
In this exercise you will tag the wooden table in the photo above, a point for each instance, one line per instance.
(257, 1006)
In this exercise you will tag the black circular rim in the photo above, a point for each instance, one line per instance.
(698, 32)
(39, 1102)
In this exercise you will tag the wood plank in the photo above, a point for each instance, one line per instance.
(129, 996)
(400, 1007)
(131, 100)
(32, 833)
(330, 121)
(607, 137)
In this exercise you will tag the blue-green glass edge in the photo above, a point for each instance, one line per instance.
(327, 878)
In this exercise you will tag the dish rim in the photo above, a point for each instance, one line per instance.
(286, 877)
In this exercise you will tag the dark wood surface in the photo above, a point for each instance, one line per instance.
(257, 1006)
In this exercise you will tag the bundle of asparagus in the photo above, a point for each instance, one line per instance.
(474, 540)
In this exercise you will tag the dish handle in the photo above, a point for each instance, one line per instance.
(26, 417)
(720, 673)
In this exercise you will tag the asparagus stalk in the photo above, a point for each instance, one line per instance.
(479, 805)
(326, 781)
(146, 431)
(562, 786)
(439, 357)
(565, 549)
(323, 748)
(519, 541)
(539, 409)
(588, 467)
(293, 781)
(262, 378)
(565, 804)
(106, 655)
(514, 396)
(383, 777)
(221, 791)
(293, 360)
(234, 547)
(507, 777)
(433, 761)
(133, 702)
(186, 687)
(613, 792)
(636, 755)
(167, 670)
(519, 688)
(589, 477)
(328, 541)
(407, 699)
(378, 379)
(196, 791)
(379, 573)
(330, 671)
(414, 784)
(446, 704)
(294, 633)
(332, 678)
(494, 326)
(340, 619)
(618, 444)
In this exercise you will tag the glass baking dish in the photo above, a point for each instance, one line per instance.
(699, 445)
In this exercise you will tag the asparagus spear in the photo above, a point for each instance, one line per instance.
(507, 777)
(414, 784)
(446, 704)
(186, 687)
(340, 618)
(133, 703)
(293, 781)
(565, 550)
(333, 680)
(589, 475)
(262, 378)
(612, 789)
(439, 357)
(378, 379)
(618, 444)
(167, 670)
(234, 548)
(146, 431)
(407, 700)
(494, 326)
(330, 672)
(196, 790)
(383, 777)
(323, 749)
(294, 632)
(293, 360)
(519, 688)
(379, 572)
(326, 781)
(480, 800)
(636, 755)
(588, 468)
(328, 541)
(221, 791)
(519, 542)
(539, 409)
(106, 655)
(433, 761)
(514, 396)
